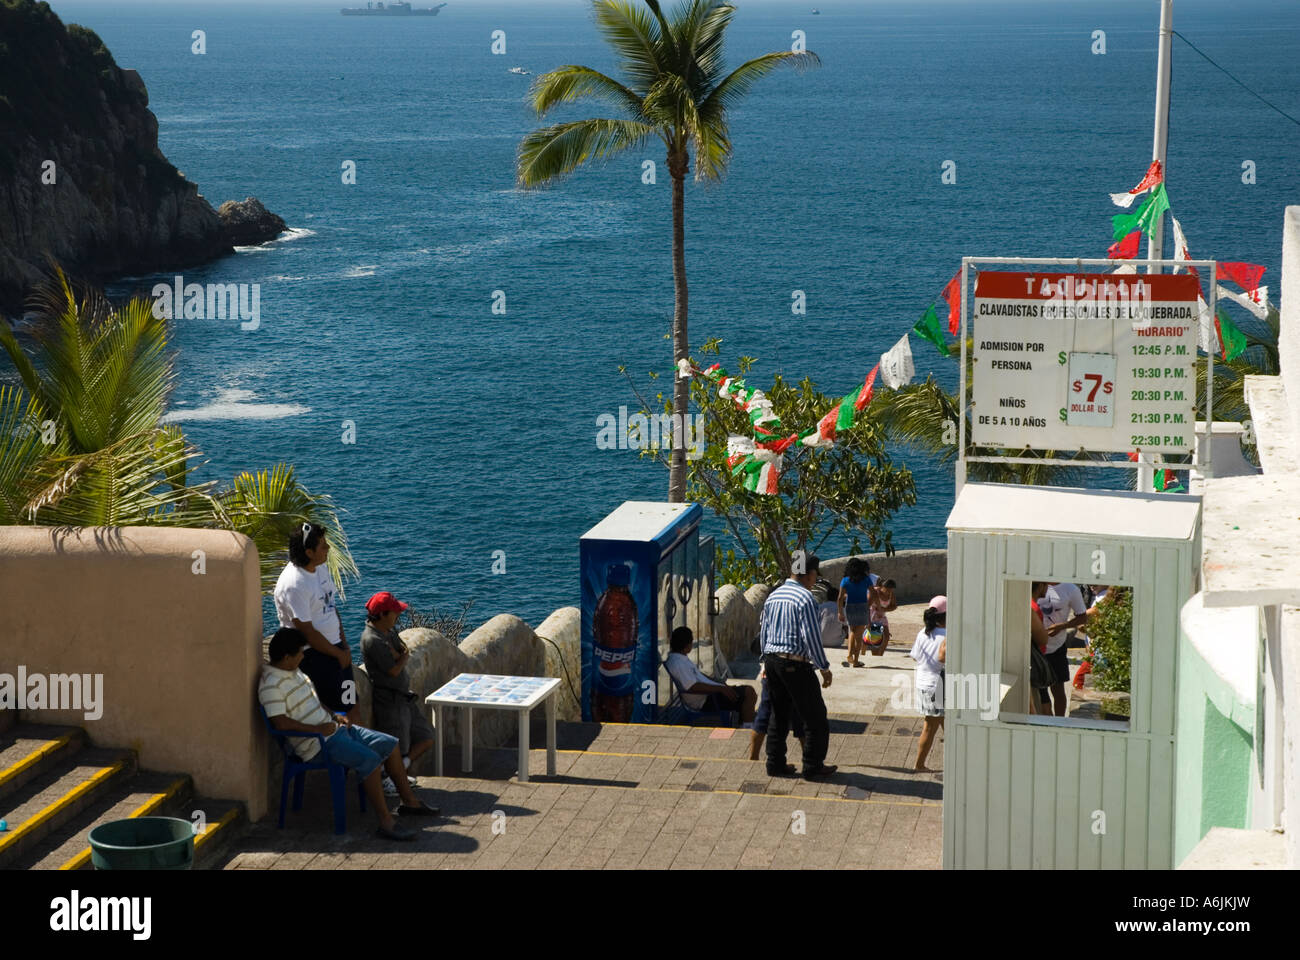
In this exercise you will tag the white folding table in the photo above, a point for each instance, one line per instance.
(494, 692)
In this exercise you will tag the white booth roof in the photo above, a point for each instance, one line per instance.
(1015, 508)
(639, 521)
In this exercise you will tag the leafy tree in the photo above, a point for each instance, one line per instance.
(81, 445)
(851, 489)
(673, 88)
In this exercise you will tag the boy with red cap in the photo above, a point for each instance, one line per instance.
(397, 710)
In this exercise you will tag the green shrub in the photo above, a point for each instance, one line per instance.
(1111, 631)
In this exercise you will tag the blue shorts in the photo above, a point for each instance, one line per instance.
(359, 749)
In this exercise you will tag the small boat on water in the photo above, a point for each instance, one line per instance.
(519, 70)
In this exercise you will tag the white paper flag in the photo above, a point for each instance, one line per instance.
(1124, 199)
(1207, 337)
(896, 367)
(1125, 268)
(1180, 243)
(1256, 301)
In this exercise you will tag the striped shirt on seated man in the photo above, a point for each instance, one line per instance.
(293, 705)
(790, 636)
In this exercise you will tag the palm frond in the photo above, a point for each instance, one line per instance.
(557, 150)
(637, 40)
(700, 26)
(268, 505)
(571, 83)
(741, 80)
(22, 450)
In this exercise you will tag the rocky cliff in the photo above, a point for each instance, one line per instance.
(82, 180)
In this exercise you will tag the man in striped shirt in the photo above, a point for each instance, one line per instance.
(292, 705)
(790, 634)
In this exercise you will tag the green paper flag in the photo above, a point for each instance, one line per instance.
(1232, 342)
(1146, 217)
(929, 328)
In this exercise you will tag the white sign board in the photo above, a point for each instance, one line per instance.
(1099, 362)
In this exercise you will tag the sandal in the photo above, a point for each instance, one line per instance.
(859, 664)
(847, 663)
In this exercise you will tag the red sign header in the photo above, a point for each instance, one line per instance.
(1160, 287)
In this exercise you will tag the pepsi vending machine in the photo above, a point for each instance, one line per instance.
(645, 571)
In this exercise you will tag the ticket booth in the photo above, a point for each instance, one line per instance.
(1023, 790)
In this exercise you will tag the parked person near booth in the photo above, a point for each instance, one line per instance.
(834, 633)
(882, 602)
(855, 606)
(699, 691)
(790, 639)
(929, 651)
(306, 599)
(292, 705)
(1039, 698)
(398, 711)
(1063, 611)
(763, 716)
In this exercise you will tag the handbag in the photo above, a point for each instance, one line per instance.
(1040, 671)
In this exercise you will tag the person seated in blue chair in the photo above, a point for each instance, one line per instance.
(292, 705)
(702, 693)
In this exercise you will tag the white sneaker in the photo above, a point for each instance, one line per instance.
(390, 788)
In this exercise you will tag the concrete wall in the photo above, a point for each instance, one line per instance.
(1289, 298)
(179, 650)
(921, 574)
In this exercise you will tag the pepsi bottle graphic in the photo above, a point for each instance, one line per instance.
(614, 630)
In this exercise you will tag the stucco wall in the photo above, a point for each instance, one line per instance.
(921, 574)
(1289, 299)
(179, 650)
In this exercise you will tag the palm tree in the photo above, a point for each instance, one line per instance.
(673, 88)
(80, 441)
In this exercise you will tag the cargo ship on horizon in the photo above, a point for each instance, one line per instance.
(396, 8)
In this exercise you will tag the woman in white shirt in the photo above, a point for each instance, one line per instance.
(929, 651)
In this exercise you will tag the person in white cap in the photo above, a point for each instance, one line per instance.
(929, 651)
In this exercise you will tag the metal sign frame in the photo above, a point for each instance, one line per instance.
(1143, 465)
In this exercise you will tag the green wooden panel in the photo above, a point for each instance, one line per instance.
(1022, 796)
(1043, 833)
(976, 796)
(1146, 603)
(1137, 812)
(1114, 768)
(1090, 797)
(999, 813)
(1160, 832)
(1016, 562)
(954, 748)
(1170, 579)
(1067, 801)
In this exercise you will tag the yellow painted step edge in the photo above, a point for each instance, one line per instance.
(212, 828)
(149, 806)
(11, 838)
(35, 757)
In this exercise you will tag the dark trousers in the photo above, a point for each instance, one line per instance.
(794, 687)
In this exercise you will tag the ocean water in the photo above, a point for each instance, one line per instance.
(475, 432)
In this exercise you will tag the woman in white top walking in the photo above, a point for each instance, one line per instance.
(929, 652)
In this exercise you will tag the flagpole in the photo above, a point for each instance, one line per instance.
(1159, 148)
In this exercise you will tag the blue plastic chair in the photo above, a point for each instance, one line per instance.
(296, 769)
(677, 705)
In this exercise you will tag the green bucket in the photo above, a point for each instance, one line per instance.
(143, 843)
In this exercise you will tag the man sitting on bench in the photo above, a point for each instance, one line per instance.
(292, 705)
(699, 692)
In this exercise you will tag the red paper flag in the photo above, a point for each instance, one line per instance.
(778, 446)
(952, 294)
(1155, 174)
(1244, 275)
(1127, 248)
(1133, 456)
(864, 397)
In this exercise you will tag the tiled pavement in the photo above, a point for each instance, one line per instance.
(641, 796)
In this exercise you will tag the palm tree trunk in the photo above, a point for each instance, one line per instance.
(681, 347)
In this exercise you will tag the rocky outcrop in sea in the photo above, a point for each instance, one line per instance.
(82, 181)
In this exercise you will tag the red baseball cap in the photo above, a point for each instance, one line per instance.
(382, 603)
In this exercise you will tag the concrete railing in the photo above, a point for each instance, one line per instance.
(167, 621)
